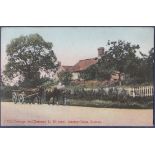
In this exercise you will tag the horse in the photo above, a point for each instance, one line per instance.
(56, 94)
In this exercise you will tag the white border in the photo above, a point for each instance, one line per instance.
(77, 13)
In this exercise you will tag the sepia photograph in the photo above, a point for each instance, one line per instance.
(77, 76)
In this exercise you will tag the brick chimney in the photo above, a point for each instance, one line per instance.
(101, 52)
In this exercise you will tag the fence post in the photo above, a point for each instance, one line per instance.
(133, 93)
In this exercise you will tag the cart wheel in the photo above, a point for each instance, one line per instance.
(21, 98)
(14, 97)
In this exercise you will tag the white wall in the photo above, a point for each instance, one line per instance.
(75, 76)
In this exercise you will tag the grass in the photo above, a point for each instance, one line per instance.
(105, 104)
(111, 104)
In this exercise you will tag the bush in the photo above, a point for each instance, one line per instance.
(65, 77)
(6, 92)
(110, 104)
(107, 94)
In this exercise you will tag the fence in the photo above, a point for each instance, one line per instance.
(140, 91)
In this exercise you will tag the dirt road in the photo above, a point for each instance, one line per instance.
(58, 115)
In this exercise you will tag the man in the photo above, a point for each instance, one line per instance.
(40, 93)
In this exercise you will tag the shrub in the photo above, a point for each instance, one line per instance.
(109, 94)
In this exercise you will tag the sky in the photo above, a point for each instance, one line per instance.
(72, 44)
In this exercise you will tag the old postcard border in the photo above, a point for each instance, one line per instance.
(86, 126)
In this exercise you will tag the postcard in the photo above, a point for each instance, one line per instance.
(77, 76)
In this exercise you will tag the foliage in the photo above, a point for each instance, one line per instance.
(27, 56)
(113, 94)
(141, 71)
(65, 77)
(113, 97)
(48, 83)
(111, 104)
(30, 83)
(90, 73)
(6, 92)
(122, 56)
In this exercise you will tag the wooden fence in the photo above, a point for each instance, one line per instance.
(140, 91)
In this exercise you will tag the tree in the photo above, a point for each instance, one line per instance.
(120, 56)
(90, 73)
(65, 77)
(96, 72)
(150, 64)
(27, 56)
(144, 69)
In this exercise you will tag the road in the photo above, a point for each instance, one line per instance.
(58, 115)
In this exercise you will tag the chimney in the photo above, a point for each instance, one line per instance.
(101, 52)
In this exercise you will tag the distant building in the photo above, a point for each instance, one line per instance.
(82, 65)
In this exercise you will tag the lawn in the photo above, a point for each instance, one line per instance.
(111, 104)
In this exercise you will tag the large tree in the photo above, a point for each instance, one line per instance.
(120, 56)
(144, 69)
(28, 55)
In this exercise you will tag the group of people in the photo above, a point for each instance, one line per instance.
(53, 96)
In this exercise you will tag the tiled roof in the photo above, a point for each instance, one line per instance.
(81, 65)
(84, 64)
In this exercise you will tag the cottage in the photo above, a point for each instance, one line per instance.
(82, 65)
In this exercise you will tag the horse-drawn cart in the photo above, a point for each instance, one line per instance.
(25, 95)
(56, 94)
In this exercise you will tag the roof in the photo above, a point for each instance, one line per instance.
(81, 65)
(84, 64)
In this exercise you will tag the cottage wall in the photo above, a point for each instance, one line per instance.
(75, 76)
